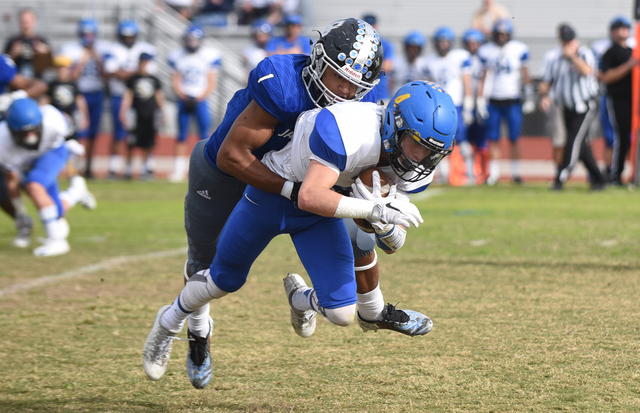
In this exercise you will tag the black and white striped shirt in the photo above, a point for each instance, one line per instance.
(568, 87)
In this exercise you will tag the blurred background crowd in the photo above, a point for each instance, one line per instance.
(192, 55)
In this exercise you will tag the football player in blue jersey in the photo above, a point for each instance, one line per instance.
(22, 86)
(344, 65)
(329, 149)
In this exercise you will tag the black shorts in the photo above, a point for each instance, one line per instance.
(144, 136)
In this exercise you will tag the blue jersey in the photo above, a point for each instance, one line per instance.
(8, 71)
(276, 85)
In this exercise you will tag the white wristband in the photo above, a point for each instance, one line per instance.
(354, 208)
(286, 189)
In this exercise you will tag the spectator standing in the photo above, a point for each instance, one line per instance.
(407, 68)
(195, 71)
(505, 61)
(616, 67)
(382, 88)
(571, 74)
(143, 95)
(63, 94)
(29, 51)
(260, 9)
(252, 55)
(88, 55)
(487, 16)
(120, 64)
(184, 7)
(214, 13)
(292, 42)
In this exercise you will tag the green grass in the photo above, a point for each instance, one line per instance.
(534, 297)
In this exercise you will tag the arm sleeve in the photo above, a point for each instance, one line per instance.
(8, 70)
(325, 141)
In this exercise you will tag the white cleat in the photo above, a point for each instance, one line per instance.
(303, 322)
(52, 247)
(24, 226)
(157, 348)
(87, 200)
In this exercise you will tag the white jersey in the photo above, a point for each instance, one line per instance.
(447, 71)
(16, 158)
(194, 68)
(125, 58)
(503, 65)
(251, 56)
(476, 69)
(345, 137)
(405, 72)
(90, 79)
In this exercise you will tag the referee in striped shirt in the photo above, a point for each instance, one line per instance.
(571, 74)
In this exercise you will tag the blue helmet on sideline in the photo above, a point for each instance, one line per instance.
(87, 30)
(502, 26)
(24, 119)
(414, 38)
(127, 32)
(473, 35)
(424, 112)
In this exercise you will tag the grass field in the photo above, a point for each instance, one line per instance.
(535, 298)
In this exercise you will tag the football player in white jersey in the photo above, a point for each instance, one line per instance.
(505, 63)
(194, 79)
(32, 154)
(120, 64)
(472, 39)
(407, 67)
(451, 69)
(329, 149)
(88, 55)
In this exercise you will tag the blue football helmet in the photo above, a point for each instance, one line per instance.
(424, 112)
(127, 32)
(24, 119)
(87, 30)
(502, 26)
(440, 36)
(261, 26)
(473, 35)
(192, 37)
(414, 38)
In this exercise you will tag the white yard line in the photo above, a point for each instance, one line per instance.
(428, 193)
(104, 265)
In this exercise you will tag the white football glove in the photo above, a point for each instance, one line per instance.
(75, 147)
(361, 191)
(481, 108)
(394, 211)
(467, 110)
(6, 99)
(389, 237)
(529, 105)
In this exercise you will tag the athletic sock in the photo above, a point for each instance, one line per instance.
(302, 300)
(371, 304)
(494, 170)
(199, 321)
(55, 227)
(114, 163)
(180, 166)
(515, 168)
(150, 164)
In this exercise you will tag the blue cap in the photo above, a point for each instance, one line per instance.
(145, 56)
(261, 26)
(370, 18)
(619, 21)
(292, 19)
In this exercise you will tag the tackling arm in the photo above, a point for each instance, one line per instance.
(252, 129)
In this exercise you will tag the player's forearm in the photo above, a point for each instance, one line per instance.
(251, 171)
(318, 200)
(614, 74)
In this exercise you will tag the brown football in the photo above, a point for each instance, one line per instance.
(385, 185)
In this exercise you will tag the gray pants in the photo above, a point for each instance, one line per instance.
(210, 199)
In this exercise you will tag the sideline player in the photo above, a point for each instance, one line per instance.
(451, 69)
(120, 64)
(407, 68)
(88, 55)
(505, 61)
(32, 146)
(23, 87)
(194, 79)
(330, 148)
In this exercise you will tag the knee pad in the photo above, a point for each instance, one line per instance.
(361, 242)
(199, 290)
(341, 316)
